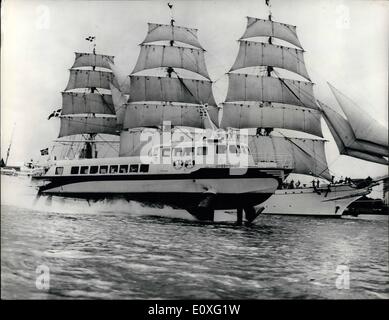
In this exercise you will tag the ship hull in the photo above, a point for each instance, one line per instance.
(177, 190)
(313, 202)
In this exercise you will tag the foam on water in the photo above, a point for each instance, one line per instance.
(22, 192)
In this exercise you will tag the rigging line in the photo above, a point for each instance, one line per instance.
(282, 80)
(313, 113)
(109, 144)
(99, 125)
(290, 140)
(185, 87)
(344, 147)
(183, 131)
(105, 102)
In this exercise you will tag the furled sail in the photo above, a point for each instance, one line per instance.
(156, 56)
(152, 115)
(245, 87)
(71, 125)
(92, 60)
(164, 32)
(363, 125)
(346, 140)
(148, 88)
(89, 79)
(253, 54)
(74, 103)
(267, 28)
(308, 154)
(237, 115)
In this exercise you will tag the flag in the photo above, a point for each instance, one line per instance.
(267, 2)
(90, 39)
(54, 114)
(44, 152)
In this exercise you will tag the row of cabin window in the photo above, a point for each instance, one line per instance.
(132, 168)
(202, 151)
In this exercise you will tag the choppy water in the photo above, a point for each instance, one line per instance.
(122, 250)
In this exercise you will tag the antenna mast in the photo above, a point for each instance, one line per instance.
(10, 143)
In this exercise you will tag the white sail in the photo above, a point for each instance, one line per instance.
(363, 125)
(308, 154)
(132, 141)
(367, 156)
(148, 88)
(92, 60)
(119, 100)
(89, 79)
(253, 54)
(87, 125)
(244, 87)
(164, 32)
(347, 142)
(274, 116)
(74, 103)
(156, 56)
(153, 115)
(267, 28)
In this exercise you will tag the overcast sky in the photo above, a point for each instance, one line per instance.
(346, 43)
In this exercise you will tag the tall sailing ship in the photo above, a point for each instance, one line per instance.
(168, 122)
(213, 170)
(260, 96)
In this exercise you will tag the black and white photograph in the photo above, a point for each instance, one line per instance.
(194, 150)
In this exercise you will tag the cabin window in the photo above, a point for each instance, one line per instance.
(123, 168)
(94, 169)
(177, 152)
(113, 169)
(74, 170)
(133, 168)
(166, 152)
(84, 170)
(221, 148)
(202, 151)
(144, 168)
(59, 171)
(233, 148)
(189, 151)
(103, 169)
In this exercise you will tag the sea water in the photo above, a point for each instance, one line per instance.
(56, 249)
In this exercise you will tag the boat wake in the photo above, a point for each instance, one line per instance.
(22, 193)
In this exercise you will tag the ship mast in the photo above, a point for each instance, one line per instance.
(273, 98)
(269, 69)
(183, 95)
(90, 150)
(87, 107)
(9, 147)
